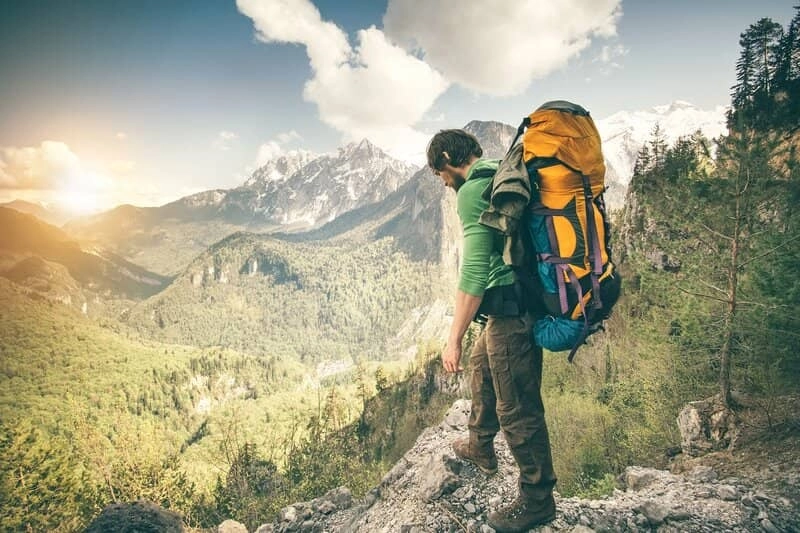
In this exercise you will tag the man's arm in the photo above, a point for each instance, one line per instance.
(465, 308)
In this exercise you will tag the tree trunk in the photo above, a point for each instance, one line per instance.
(730, 312)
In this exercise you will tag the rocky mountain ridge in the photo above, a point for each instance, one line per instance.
(279, 169)
(327, 186)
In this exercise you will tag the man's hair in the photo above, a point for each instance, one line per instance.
(458, 144)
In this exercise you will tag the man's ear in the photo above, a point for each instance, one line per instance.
(446, 156)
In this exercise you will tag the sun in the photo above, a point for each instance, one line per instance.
(78, 200)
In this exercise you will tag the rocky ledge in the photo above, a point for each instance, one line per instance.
(429, 490)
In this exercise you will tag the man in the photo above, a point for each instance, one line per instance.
(505, 366)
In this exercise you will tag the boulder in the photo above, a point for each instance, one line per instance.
(439, 476)
(140, 516)
(637, 477)
(705, 426)
(655, 512)
(231, 526)
(458, 415)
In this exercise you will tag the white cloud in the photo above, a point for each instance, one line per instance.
(53, 172)
(122, 166)
(121, 135)
(49, 166)
(273, 148)
(224, 140)
(499, 47)
(609, 57)
(288, 136)
(609, 53)
(376, 90)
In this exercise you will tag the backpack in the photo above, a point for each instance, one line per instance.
(567, 227)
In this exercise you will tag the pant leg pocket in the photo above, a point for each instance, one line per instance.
(503, 383)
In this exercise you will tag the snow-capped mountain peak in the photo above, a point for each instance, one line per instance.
(624, 133)
(304, 191)
(279, 169)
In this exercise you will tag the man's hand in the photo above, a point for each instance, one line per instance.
(465, 308)
(451, 357)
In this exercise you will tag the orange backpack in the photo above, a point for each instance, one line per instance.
(567, 224)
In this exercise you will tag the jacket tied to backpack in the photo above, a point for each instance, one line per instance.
(548, 202)
(509, 194)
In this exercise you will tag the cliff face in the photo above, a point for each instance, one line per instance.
(430, 490)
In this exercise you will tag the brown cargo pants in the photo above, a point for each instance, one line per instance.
(506, 379)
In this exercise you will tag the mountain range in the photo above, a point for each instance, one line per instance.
(50, 214)
(624, 133)
(45, 259)
(359, 189)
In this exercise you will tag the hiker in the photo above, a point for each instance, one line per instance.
(505, 365)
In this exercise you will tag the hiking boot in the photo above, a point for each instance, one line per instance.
(481, 456)
(522, 515)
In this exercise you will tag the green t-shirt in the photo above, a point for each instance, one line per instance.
(482, 266)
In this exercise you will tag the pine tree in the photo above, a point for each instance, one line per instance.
(765, 38)
(745, 74)
(658, 147)
(642, 164)
(790, 48)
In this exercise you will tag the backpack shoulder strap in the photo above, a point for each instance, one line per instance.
(483, 173)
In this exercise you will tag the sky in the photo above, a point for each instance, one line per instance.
(104, 102)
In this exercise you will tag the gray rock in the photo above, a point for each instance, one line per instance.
(140, 515)
(655, 512)
(327, 507)
(487, 529)
(231, 526)
(679, 514)
(265, 528)
(704, 492)
(470, 508)
(458, 415)
(372, 497)
(701, 474)
(288, 514)
(341, 497)
(768, 526)
(581, 529)
(438, 477)
(464, 493)
(309, 526)
(395, 473)
(727, 492)
(706, 425)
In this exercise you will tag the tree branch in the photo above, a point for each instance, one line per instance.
(703, 295)
(710, 286)
(768, 252)
(715, 232)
